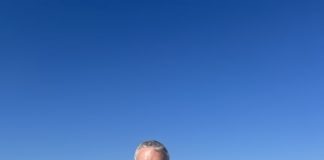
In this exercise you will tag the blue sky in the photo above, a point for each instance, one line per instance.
(89, 80)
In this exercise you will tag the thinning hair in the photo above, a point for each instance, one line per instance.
(156, 145)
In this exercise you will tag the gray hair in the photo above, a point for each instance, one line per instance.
(156, 145)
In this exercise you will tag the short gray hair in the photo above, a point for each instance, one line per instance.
(156, 145)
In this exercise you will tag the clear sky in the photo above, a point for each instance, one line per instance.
(212, 80)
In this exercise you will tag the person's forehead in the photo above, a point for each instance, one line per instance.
(148, 153)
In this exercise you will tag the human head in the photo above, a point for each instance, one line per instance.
(151, 150)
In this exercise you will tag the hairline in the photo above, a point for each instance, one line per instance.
(161, 149)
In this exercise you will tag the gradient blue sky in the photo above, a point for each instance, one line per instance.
(213, 80)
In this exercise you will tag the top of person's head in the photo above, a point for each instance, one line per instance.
(156, 145)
